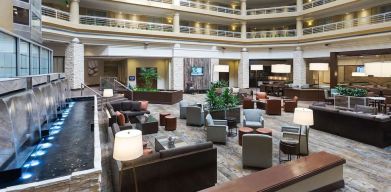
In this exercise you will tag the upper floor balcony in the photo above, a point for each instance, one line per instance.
(316, 3)
(271, 34)
(55, 13)
(352, 23)
(209, 7)
(211, 32)
(272, 10)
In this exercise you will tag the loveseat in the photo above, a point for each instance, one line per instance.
(130, 109)
(189, 168)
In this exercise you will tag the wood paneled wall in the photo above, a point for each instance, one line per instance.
(199, 82)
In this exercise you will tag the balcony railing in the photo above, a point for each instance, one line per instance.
(123, 23)
(271, 34)
(55, 13)
(374, 19)
(209, 7)
(272, 10)
(316, 3)
(212, 32)
(162, 1)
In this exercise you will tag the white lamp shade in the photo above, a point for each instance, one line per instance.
(303, 116)
(358, 74)
(378, 69)
(256, 67)
(128, 145)
(108, 93)
(319, 66)
(221, 68)
(281, 68)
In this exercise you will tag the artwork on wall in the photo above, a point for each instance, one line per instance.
(93, 69)
(197, 72)
(132, 78)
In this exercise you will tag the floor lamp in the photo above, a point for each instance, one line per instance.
(221, 68)
(256, 68)
(303, 117)
(282, 69)
(319, 67)
(128, 145)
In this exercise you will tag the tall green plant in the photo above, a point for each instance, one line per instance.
(219, 84)
(148, 75)
(355, 92)
(224, 101)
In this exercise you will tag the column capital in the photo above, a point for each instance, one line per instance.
(243, 22)
(298, 48)
(75, 1)
(244, 49)
(75, 41)
(299, 18)
(243, 1)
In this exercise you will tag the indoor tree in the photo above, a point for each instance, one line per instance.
(148, 75)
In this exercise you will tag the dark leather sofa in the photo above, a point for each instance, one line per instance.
(184, 169)
(361, 127)
(130, 109)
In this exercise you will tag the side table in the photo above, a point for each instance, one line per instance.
(242, 131)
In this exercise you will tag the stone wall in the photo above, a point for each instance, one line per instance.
(74, 63)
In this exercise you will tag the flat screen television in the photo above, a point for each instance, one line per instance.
(197, 71)
(360, 69)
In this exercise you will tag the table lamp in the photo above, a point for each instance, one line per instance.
(128, 145)
(303, 117)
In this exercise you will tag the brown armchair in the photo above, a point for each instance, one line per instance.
(248, 103)
(261, 96)
(273, 107)
(290, 104)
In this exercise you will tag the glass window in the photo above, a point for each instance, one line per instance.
(58, 64)
(44, 65)
(21, 16)
(7, 55)
(24, 64)
(34, 60)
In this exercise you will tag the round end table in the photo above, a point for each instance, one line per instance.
(264, 131)
(162, 118)
(242, 131)
(170, 123)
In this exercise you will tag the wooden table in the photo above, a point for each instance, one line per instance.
(264, 131)
(377, 101)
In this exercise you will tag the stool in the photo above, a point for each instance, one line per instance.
(242, 131)
(170, 123)
(264, 131)
(162, 118)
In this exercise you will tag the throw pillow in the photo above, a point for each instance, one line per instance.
(120, 118)
(209, 120)
(143, 105)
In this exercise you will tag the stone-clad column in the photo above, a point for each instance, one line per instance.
(244, 30)
(299, 68)
(243, 71)
(243, 7)
(74, 63)
(215, 75)
(177, 79)
(299, 26)
(177, 27)
(299, 5)
(74, 15)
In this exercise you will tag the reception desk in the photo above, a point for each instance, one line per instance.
(305, 94)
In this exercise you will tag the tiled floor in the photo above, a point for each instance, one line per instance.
(368, 168)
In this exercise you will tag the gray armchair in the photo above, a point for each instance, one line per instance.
(257, 151)
(216, 130)
(253, 118)
(294, 133)
(195, 116)
(182, 109)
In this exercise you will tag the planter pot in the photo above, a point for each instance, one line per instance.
(349, 102)
(234, 112)
(167, 97)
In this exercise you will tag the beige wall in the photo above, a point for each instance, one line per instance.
(6, 16)
(233, 71)
(162, 66)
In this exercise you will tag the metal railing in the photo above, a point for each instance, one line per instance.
(271, 34)
(83, 86)
(272, 10)
(126, 88)
(55, 13)
(123, 23)
(212, 32)
(209, 7)
(316, 3)
(374, 19)
(162, 1)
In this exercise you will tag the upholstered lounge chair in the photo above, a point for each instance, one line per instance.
(253, 118)
(216, 130)
(257, 151)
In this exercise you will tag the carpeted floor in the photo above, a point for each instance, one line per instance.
(368, 168)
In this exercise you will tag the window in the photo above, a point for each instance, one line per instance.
(21, 16)
(58, 64)
(7, 55)
(44, 65)
(24, 64)
(34, 60)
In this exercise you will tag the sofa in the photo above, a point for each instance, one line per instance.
(130, 109)
(366, 128)
(189, 168)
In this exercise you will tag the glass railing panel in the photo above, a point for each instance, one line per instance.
(272, 10)
(209, 7)
(271, 34)
(55, 13)
(210, 32)
(316, 3)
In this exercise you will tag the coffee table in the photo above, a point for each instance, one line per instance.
(161, 143)
(147, 125)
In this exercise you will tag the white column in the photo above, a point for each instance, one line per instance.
(244, 30)
(74, 11)
(74, 63)
(299, 5)
(177, 79)
(243, 7)
(177, 28)
(243, 71)
(215, 75)
(176, 2)
(299, 68)
(299, 26)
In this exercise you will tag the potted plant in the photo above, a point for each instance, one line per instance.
(226, 102)
(148, 75)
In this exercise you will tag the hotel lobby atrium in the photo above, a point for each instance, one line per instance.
(195, 95)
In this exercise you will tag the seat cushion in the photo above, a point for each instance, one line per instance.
(133, 113)
(144, 105)
(253, 124)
